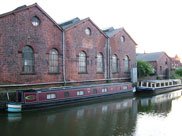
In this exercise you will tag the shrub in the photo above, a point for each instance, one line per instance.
(144, 68)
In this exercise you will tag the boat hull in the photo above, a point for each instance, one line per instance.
(156, 91)
(50, 97)
(14, 107)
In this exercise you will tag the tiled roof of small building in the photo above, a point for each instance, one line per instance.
(69, 23)
(111, 31)
(149, 56)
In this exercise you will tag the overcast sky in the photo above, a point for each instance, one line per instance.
(155, 25)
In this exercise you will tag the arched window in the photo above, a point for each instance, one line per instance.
(126, 64)
(53, 61)
(28, 59)
(82, 62)
(100, 63)
(114, 63)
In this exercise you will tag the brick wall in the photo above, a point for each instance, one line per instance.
(17, 31)
(165, 63)
(122, 49)
(92, 45)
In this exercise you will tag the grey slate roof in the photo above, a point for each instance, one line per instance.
(149, 56)
(111, 31)
(21, 7)
(69, 23)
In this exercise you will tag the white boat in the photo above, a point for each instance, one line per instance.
(159, 86)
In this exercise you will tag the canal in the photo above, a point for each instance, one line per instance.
(159, 115)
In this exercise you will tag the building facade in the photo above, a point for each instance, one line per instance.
(28, 39)
(175, 62)
(160, 61)
(34, 49)
(122, 52)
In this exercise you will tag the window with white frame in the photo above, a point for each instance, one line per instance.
(125, 87)
(51, 96)
(100, 63)
(35, 21)
(126, 64)
(28, 59)
(122, 39)
(53, 61)
(82, 62)
(78, 93)
(88, 31)
(104, 90)
(114, 63)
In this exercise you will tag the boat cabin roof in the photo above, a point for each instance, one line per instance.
(159, 81)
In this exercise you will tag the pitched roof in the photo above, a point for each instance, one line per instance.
(21, 8)
(149, 56)
(110, 32)
(76, 21)
(69, 23)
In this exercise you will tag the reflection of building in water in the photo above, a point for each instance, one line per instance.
(101, 119)
(159, 104)
(110, 118)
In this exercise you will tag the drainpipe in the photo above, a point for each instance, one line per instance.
(108, 58)
(64, 66)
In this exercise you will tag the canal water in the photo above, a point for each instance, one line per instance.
(159, 115)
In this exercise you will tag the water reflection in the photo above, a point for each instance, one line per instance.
(160, 104)
(128, 117)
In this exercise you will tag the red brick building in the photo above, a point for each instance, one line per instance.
(29, 30)
(84, 36)
(123, 48)
(175, 61)
(160, 61)
(35, 49)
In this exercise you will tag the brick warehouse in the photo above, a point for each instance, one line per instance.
(35, 49)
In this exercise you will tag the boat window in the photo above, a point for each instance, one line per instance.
(66, 94)
(166, 84)
(153, 85)
(162, 84)
(144, 84)
(80, 92)
(149, 84)
(174, 82)
(170, 83)
(125, 87)
(51, 96)
(95, 91)
(104, 90)
(139, 83)
(157, 85)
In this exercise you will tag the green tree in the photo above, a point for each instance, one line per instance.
(144, 68)
(178, 72)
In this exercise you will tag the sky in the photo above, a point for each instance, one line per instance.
(155, 25)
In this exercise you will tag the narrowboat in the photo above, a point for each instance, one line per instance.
(38, 98)
(158, 86)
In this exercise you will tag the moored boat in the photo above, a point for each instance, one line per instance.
(158, 86)
(37, 98)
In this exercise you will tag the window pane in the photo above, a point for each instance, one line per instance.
(82, 62)
(53, 61)
(28, 59)
(51, 96)
(35, 21)
(100, 63)
(114, 63)
(126, 64)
